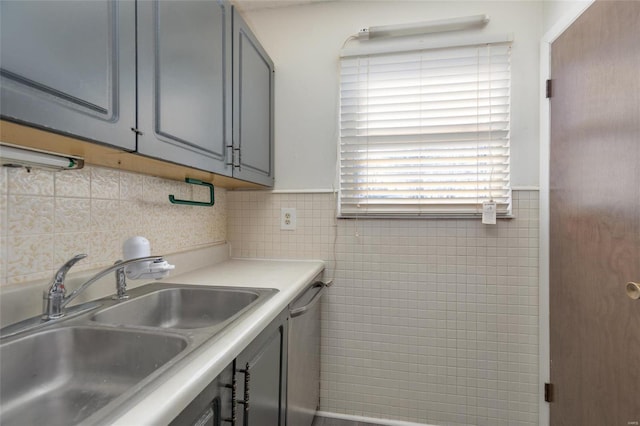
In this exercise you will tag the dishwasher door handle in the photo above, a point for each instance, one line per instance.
(320, 287)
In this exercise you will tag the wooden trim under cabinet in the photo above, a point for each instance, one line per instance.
(100, 155)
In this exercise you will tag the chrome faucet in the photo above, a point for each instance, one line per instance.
(55, 297)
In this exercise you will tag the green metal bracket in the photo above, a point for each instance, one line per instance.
(195, 203)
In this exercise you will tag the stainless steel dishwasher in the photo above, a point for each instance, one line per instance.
(303, 375)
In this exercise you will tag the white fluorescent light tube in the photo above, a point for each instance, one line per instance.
(11, 156)
(437, 26)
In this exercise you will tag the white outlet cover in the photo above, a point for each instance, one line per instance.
(288, 219)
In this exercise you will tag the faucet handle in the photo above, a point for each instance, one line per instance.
(58, 280)
(54, 296)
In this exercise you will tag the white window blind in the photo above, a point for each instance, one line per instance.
(425, 132)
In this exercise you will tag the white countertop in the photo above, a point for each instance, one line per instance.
(168, 399)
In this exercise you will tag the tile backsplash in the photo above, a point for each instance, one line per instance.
(431, 321)
(47, 217)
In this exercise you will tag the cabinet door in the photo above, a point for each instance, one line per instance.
(184, 71)
(252, 106)
(262, 366)
(69, 66)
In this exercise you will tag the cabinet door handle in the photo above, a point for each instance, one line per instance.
(247, 381)
(237, 166)
(232, 155)
(234, 401)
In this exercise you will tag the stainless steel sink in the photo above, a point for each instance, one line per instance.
(179, 308)
(62, 376)
(94, 364)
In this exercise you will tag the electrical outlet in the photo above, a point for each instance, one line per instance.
(288, 219)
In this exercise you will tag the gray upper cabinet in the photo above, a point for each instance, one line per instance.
(184, 79)
(252, 107)
(69, 66)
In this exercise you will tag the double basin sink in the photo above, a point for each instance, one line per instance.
(88, 367)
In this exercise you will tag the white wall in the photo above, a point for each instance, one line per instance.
(305, 41)
(478, 376)
(563, 11)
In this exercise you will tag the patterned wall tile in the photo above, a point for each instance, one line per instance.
(155, 191)
(73, 183)
(29, 255)
(35, 182)
(4, 213)
(72, 214)
(105, 247)
(201, 193)
(130, 215)
(30, 215)
(67, 245)
(3, 180)
(93, 211)
(105, 214)
(131, 186)
(105, 183)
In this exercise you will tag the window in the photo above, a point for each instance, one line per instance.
(425, 133)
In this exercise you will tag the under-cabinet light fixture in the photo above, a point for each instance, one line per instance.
(437, 26)
(11, 156)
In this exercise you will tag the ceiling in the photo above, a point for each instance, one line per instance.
(271, 4)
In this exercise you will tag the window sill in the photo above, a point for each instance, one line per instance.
(425, 216)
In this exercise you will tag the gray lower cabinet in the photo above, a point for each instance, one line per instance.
(70, 66)
(261, 375)
(253, 106)
(184, 82)
(252, 390)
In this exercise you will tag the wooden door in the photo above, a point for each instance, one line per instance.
(595, 218)
(184, 82)
(70, 67)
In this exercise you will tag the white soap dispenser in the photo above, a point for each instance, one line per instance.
(136, 247)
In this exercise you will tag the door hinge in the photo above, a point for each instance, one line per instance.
(549, 89)
(548, 392)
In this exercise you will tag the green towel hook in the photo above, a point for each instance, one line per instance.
(195, 203)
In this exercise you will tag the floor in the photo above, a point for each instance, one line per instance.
(325, 421)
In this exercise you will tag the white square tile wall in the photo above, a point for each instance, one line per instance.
(47, 217)
(429, 321)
